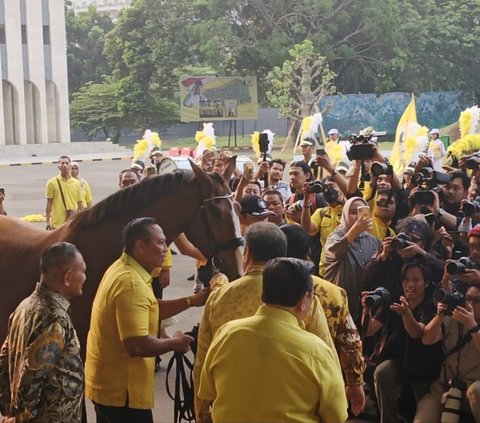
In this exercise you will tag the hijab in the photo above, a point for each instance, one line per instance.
(346, 221)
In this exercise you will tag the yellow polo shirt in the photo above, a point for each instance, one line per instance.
(264, 368)
(380, 230)
(239, 299)
(124, 307)
(72, 193)
(326, 221)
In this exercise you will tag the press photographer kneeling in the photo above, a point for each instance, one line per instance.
(399, 355)
(458, 387)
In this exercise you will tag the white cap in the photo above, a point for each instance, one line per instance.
(333, 132)
(434, 131)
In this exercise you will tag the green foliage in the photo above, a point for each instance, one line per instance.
(95, 108)
(302, 81)
(85, 41)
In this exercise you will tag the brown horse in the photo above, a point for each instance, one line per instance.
(198, 204)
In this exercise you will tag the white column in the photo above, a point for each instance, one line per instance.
(36, 62)
(13, 36)
(59, 66)
(2, 116)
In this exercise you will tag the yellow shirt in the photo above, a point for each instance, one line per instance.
(72, 193)
(124, 307)
(168, 260)
(86, 192)
(239, 299)
(380, 230)
(342, 328)
(323, 222)
(265, 369)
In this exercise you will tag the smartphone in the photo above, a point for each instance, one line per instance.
(321, 152)
(248, 168)
(2, 191)
(363, 211)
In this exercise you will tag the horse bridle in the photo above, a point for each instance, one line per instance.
(214, 247)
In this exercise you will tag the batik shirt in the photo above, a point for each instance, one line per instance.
(41, 372)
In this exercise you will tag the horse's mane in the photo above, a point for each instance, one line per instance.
(131, 199)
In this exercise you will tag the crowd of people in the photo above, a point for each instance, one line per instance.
(356, 281)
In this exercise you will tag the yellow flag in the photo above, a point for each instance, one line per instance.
(407, 127)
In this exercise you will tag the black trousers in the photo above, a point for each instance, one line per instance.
(109, 414)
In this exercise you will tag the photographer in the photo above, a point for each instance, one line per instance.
(469, 274)
(324, 220)
(348, 248)
(414, 239)
(454, 192)
(458, 384)
(399, 355)
(384, 211)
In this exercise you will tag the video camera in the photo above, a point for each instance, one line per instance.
(400, 241)
(471, 207)
(362, 148)
(377, 298)
(427, 181)
(451, 299)
(379, 168)
(458, 267)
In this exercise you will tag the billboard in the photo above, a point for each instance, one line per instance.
(218, 98)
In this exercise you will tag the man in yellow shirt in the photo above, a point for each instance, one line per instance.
(64, 195)
(122, 341)
(242, 297)
(264, 368)
(340, 323)
(324, 220)
(384, 211)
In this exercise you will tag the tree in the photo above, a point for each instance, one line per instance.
(85, 42)
(145, 50)
(299, 85)
(95, 108)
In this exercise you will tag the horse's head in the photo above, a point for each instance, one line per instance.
(216, 229)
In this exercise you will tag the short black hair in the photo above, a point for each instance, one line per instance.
(463, 176)
(265, 241)
(278, 161)
(64, 157)
(135, 230)
(57, 256)
(125, 171)
(298, 241)
(271, 191)
(286, 280)
(303, 165)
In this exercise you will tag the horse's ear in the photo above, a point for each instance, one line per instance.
(198, 172)
(229, 168)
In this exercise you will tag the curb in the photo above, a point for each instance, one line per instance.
(50, 162)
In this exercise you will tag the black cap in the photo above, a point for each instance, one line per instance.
(254, 205)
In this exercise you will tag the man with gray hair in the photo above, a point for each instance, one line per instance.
(242, 298)
(41, 371)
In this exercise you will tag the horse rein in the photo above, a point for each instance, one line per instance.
(214, 247)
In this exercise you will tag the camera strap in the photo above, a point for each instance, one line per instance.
(61, 193)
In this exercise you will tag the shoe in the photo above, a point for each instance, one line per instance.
(191, 278)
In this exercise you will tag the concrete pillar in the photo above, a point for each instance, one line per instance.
(59, 68)
(13, 37)
(36, 63)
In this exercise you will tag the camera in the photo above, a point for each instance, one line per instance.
(470, 208)
(298, 205)
(362, 149)
(471, 164)
(316, 186)
(430, 178)
(379, 168)
(451, 401)
(400, 241)
(459, 266)
(330, 195)
(451, 299)
(379, 297)
(432, 219)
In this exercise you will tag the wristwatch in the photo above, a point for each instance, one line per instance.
(475, 329)
(441, 213)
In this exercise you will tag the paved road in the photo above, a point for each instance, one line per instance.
(24, 189)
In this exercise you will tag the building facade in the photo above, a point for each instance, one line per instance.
(110, 8)
(33, 62)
